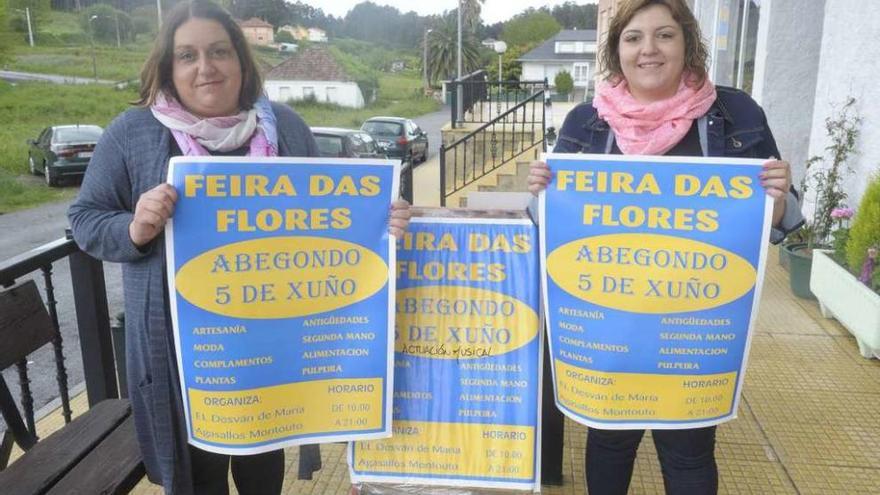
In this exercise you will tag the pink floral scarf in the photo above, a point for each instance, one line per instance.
(198, 137)
(653, 128)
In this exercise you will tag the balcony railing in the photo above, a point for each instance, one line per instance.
(92, 320)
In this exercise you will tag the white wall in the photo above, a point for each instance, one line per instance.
(786, 71)
(849, 67)
(537, 72)
(347, 94)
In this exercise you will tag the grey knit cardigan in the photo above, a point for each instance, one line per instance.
(130, 159)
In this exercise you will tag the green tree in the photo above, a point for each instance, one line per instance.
(384, 25)
(865, 232)
(284, 37)
(530, 27)
(563, 82)
(573, 16)
(102, 21)
(275, 12)
(470, 14)
(511, 69)
(443, 46)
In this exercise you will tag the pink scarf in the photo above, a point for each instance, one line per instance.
(198, 136)
(653, 128)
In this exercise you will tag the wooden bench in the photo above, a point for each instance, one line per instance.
(95, 453)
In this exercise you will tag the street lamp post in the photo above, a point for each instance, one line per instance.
(500, 48)
(94, 58)
(458, 48)
(27, 15)
(425, 58)
(118, 44)
(459, 93)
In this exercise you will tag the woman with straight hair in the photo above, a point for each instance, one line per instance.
(201, 94)
(657, 99)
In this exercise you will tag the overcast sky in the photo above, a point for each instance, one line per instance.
(493, 10)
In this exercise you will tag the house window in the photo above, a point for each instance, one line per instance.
(733, 46)
(308, 92)
(284, 93)
(331, 94)
(566, 47)
(581, 74)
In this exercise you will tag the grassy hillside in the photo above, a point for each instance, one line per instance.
(399, 95)
(25, 109)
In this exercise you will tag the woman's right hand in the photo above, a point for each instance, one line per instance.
(539, 177)
(152, 210)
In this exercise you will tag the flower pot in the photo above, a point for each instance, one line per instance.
(783, 257)
(852, 303)
(799, 263)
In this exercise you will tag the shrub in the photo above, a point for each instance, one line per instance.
(865, 231)
(827, 179)
(563, 82)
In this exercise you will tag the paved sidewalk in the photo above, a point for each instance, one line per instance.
(809, 421)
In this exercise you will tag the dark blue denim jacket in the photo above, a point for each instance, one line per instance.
(735, 126)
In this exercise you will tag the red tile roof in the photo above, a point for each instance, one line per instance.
(312, 64)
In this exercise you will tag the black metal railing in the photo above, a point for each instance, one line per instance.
(485, 149)
(483, 101)
(465, 92)
(92, 316)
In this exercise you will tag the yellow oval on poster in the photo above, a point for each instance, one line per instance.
(650, 273)
(461, 322)
(281, 277)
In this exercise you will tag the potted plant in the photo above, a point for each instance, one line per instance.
(846, 280)
(824, 177)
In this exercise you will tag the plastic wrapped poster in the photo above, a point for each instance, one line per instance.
(653, 268)
(467, 361)
(280, 275)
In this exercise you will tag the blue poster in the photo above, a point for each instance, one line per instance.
(653, 268)
(280, 271)
(467, 359)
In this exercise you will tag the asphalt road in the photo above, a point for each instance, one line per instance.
(431, 123)
(15, 76)
(29, 229)
(25, 230)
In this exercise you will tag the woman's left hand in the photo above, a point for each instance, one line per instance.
(776, 181)
(399, 220)
(776, 178)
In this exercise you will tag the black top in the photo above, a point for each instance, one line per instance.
(688, 146)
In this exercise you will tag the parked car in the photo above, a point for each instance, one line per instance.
(350, 143)
(62, 151)
(398, 138)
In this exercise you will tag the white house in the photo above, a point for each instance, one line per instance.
(571, 50)
(313, 74)
(317, 35)
(305, 33)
